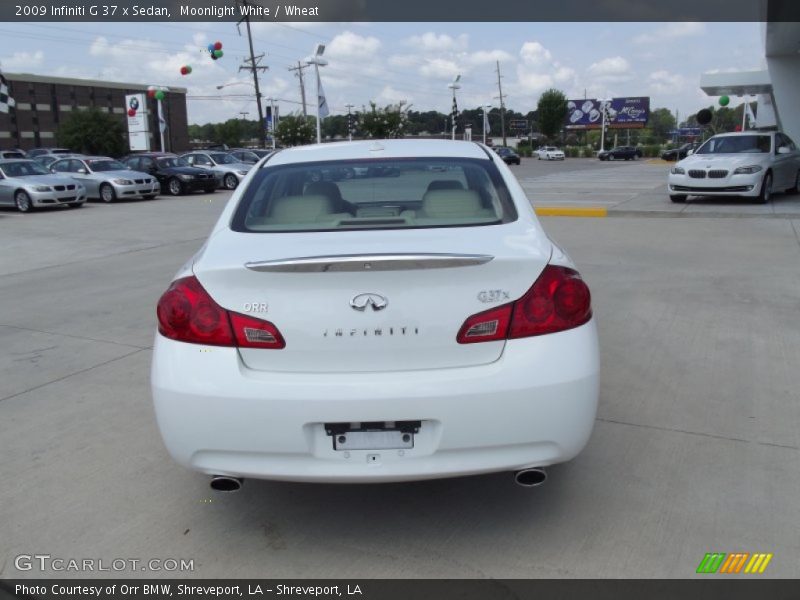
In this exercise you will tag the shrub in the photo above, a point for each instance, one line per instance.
(295, 131)
(389, 122)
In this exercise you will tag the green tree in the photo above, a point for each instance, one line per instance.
(388, 122)
(552, 109)
(295, 131)
(230, 133)
(92, 131)
(660, 123)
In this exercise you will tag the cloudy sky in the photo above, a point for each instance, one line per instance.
(387, 62)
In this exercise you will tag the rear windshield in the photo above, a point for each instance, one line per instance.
(374, 194)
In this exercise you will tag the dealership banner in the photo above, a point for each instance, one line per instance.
(621, 113)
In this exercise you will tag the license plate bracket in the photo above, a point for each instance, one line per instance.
(390, 435)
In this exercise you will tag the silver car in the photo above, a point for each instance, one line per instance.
(228, 169)
(26, 184)
(108, 179)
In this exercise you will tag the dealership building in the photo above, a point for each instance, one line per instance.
(777, 87)
(43, 102)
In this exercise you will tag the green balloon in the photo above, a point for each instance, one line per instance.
(218, 53)
(160, 95)
(724, 101)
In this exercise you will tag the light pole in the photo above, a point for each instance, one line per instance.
(455, 86)
(318, 62)
(485, 120)
(603, 109)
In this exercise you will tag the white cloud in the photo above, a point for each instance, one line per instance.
(485, 57)
(349, 45)
(671, 31)
(23, 61)
(439, 68)
(664, 82)
(614, 69)
(533, 53)
(431, 42)
(390, 95)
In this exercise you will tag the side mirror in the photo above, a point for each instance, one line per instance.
(81, 171)
(783, 150)
(689, 152)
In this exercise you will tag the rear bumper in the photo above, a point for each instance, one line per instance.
(535, 406)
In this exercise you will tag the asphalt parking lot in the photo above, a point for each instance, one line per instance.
(696, 446)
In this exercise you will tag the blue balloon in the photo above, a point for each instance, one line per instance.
(210, 47)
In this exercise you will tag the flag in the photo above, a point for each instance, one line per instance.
(486, 127)
(454, 115)
(6, 101)
(750, 116)
(322, 103)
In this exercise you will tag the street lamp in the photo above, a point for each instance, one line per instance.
(455, 86)
(318, 62)
(603, 111)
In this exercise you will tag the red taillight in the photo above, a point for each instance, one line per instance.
(559, 300)
(187, 313)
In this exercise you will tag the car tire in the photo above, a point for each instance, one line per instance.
(174, 186)
(107, 193)
(678, 198)
(23, 201)
(796, 188)
(230, 181)
(765, 195)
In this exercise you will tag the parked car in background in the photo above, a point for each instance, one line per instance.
(509, 156)
(108, 179)
(550, 153)
(47, 160)
(11, 154)
(747, 164)
(678, 153)
(621, 153)
(246, 156)
(339, 356)
(42, 151)
(175, 175)
(228, 169)
(27, 185)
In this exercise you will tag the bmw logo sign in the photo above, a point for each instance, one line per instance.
(134, 103)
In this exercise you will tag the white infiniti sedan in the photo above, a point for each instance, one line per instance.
(380, 328)
(751, 164)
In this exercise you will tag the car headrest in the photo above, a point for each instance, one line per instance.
(299, 209)
(324, 188)
(445, 184)
(446, 203)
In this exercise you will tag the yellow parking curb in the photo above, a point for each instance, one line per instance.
(571, 211)
(660, 161)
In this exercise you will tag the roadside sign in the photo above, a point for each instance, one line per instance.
(519, 124)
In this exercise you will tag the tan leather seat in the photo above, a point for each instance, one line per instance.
(301, 209)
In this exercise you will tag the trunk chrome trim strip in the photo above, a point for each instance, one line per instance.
(368, 262)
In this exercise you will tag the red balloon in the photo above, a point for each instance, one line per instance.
(737, 128)
(151, 93)
(131, 112)
(184, 70)
(217, 45)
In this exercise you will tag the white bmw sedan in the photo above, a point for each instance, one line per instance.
(379, 328)
(751, 164)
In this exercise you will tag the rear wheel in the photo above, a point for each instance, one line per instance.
(766, 189)
(107, 193)
(174, 186)
(796, 188)
(677, 198)
(230, 181)
(23, 201)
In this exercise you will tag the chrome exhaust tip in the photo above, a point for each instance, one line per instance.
(530, 477)
(224, 483)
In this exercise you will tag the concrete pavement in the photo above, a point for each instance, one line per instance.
(695, 449)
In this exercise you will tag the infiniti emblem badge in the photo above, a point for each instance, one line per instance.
(362, 301)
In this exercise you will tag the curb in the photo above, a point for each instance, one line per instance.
(571, 211)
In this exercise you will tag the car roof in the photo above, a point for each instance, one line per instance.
(378, 149)
(741, 133)
(5, 161)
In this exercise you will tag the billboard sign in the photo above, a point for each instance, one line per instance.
(622, 113)
(519, 124)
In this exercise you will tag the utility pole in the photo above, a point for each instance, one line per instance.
(502, 105)
(252, 65)
(349, 122)
(299, 68)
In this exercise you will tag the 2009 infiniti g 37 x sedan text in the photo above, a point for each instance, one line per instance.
(411, 321)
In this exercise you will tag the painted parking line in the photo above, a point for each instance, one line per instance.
(571, 211)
